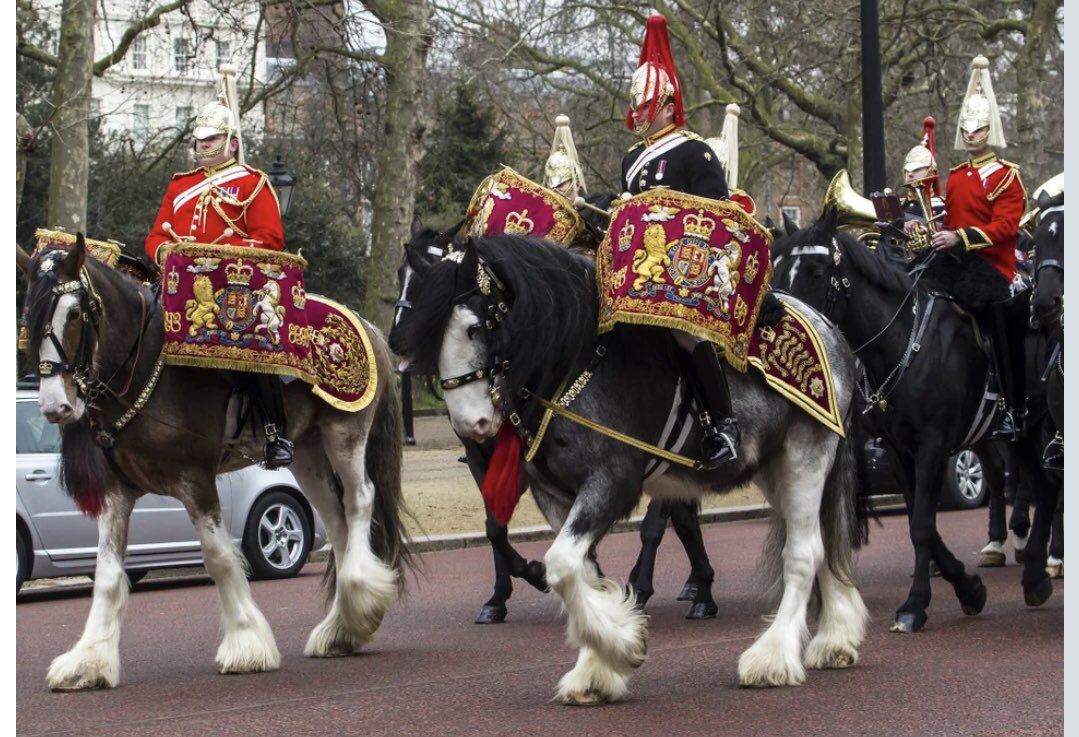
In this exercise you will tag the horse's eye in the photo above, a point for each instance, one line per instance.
(73, 315)
(472, 330)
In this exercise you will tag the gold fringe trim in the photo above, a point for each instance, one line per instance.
(193, 250)
(676, 323)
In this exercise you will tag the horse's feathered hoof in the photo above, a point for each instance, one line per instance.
(536, 575)
(992, 555)
(974, 601)
(907, 622)
(689, 592)
(586, 698)
(1039, 593)
(491, 614)
(1054, 568)
(702, 610)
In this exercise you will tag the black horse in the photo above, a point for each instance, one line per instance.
(424, 248)
(925, 389)
(1047, 312)
(507, 319)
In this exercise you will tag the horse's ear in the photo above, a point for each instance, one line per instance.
(829, 220)
(72, 264)
(789, 225)
(22, 259)
(470, 263)
(417, 227)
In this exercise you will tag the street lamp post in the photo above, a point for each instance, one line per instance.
(873, 172)
(283, 184)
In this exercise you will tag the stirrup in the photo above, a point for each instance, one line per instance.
(1053, 457)
(1006, 426)
(719, 445)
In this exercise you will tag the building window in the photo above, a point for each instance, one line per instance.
(794, 214)
(184, 114)
(224, 53)
(183, 54)
(138, 53)
(140, 124)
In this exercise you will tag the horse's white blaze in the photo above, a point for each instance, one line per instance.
(409, 273)
(248, 644)
(794, 272)
(94, 661)
(53, 399)
(472, 414)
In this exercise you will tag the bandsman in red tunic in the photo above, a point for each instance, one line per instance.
(223, 201)
(227, 202)
(984, 201)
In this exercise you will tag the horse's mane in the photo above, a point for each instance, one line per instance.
(552, 308)
(866, 262)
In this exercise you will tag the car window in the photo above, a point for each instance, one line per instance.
(33, 434)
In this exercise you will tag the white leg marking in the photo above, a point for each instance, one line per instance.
(94, 661)
(366, 587)
(248, 644)
(601, 619)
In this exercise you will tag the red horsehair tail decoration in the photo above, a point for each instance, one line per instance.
(660, 73)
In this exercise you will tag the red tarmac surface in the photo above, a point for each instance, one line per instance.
(432, 672)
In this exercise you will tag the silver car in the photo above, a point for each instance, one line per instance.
(264, 512)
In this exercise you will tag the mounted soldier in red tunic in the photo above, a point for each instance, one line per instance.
(226, 202)
(984, 202)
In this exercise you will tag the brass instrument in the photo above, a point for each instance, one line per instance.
(920, 236)
(855, 214)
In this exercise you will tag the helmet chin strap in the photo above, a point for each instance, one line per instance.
(203, 155)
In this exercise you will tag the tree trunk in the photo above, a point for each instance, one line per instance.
(1031, 124)
(407, 42)
(24, 136)
(69, 165)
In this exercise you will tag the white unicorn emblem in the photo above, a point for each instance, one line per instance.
(270, 313)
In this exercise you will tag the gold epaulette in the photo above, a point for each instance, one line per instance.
(1009, 164)
(957, 167)
(253, 170)
(691, 135)
(179, 174)
(637, 145)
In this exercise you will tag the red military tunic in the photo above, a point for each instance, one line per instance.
(984, 202)
(204, 202)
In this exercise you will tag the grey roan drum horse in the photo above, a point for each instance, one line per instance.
(96, 334)
(534, 305)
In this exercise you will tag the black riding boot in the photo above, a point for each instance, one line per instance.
(278, 448)
(1007, 424)
(720, 439)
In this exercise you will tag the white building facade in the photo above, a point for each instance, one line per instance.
(171, 70)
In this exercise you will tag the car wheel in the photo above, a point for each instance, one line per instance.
(964, 482)
(22, 559)
(277, 537)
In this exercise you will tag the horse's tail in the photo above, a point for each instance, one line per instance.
(844, 513)
(83, 472)
(389, 540)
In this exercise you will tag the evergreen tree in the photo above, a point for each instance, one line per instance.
(467, 146)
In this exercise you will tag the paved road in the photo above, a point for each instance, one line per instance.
(432, 672)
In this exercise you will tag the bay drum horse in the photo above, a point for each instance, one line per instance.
(544, 337)
(96, 335)
(924, 389)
